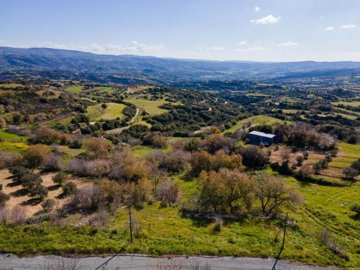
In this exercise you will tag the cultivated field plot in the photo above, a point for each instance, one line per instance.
(348, 153)
(348, 103)
(12, 142)
(19, 198)
(98, 113)
(256, 120)
(75, 89)
(149, 106)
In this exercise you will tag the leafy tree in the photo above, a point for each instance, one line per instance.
(273, 194)
(253, 157)
(96, 147)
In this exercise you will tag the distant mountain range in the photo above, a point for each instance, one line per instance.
(68, 64)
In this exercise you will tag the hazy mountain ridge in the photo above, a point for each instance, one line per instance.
(72, 64)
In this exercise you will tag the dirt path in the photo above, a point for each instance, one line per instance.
(119, 130)
(144, 263)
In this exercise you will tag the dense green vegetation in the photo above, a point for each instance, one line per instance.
(77, 156)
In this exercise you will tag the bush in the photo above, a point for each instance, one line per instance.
(69, 189)
(59, 178)
(9, 159)
(168, 193)
(53, 162)
(38, 191)
(253, 157)
(218, 224)
(350, 173)
(356, 209)
(93, 168)
(156, 140)
(3, 198)
(17, 215)
(35, 155)
(89, 198)
(48, 205)
(96, 147)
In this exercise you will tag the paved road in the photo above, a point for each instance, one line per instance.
(144, 263)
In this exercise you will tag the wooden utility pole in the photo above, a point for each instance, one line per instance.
(130, 224)
(283, 243)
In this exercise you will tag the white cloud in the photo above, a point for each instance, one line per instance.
(253, 48)
(348, 26)
(133, 47)
(211, 48)
(287, 44)
(270, 19)
(256, 9)
(330, 28)
(242, 42)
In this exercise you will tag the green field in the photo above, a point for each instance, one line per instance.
(97, 113)
(75, 89)
(12, 142)
(256, 120)
(348, 153)
(149, 106)
(10, 85)
(348, 103)
(104, 89)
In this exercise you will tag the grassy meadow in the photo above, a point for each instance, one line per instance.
(149, 106)
(11, 142)
(112, 111)
(163, 231)
(256, 120)
(75, 89)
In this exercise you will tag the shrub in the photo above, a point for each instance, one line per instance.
(2, 122)
(253, 157)
(125, 167)
(89, 198)
(38, 191)
(68, 189)
(350, 173)
(17, 215)
(44, 135)
(218, 223)
(92, 168)
(156, 140)
(175, 161)
(9, 159)
(59, 178)
(3, 198)
(52, 162)
(356, 209)
(168, 193)
(48, 205)
(96, 147)
(299, 161)
(35, 155)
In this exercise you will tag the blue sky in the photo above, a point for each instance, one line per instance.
(260, 30)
